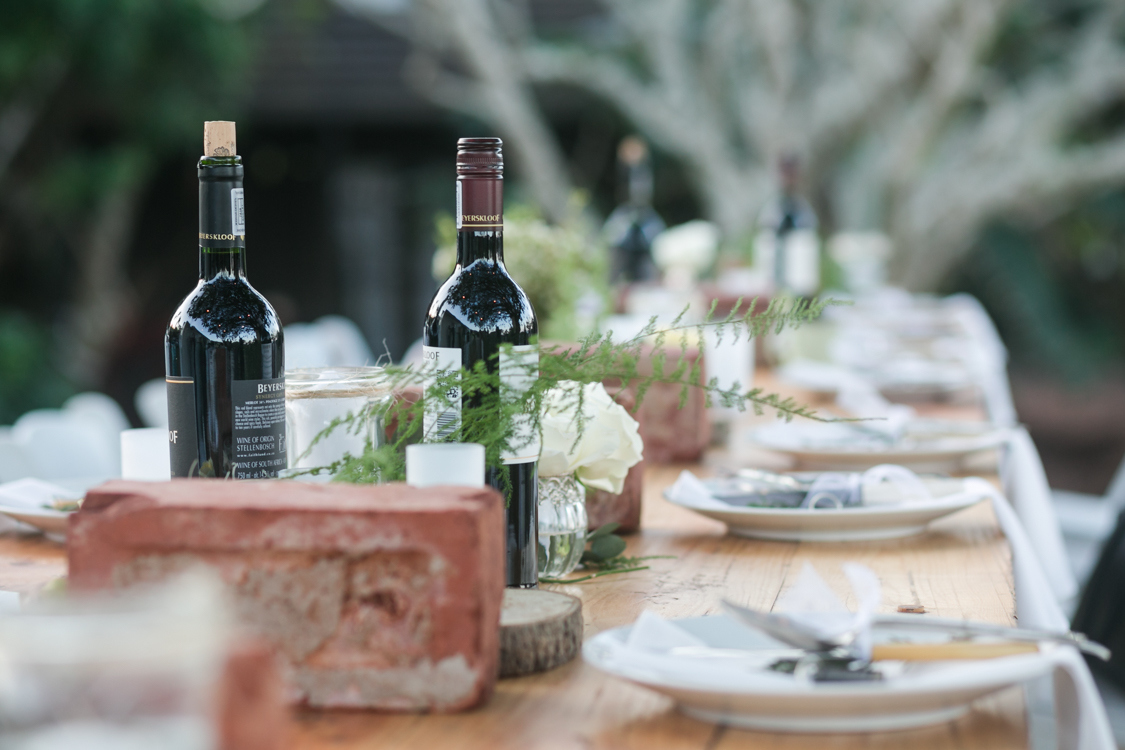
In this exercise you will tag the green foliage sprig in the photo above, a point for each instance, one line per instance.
(502, 418)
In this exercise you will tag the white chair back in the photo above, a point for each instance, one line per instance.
(330, 341)
(346, 343)
(61, 445)
(100, 409)
(14, 461)
(151, 402)
(304, 347)
(102, 413)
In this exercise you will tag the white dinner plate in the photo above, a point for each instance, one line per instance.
(46, 520)
(26, 500)
(883, 518)
(742, 692)
(931, 445)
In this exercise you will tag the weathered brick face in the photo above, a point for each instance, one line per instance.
(372, 597)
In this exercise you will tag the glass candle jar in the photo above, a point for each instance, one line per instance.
(354, 399)
(562, 525)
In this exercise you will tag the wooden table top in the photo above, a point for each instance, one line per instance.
(960, 568)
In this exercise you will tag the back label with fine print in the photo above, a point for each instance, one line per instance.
(259, 428)
(441, 418)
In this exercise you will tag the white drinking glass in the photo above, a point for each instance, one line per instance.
(145, 455)
(460, 464)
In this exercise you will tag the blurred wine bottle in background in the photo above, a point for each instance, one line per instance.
(634, 224)
(786, 247)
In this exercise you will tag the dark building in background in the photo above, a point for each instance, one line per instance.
(346, 168)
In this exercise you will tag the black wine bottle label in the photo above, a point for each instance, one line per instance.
(182, 442)
(259, 427)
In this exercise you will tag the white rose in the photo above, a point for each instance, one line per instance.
(610, 444)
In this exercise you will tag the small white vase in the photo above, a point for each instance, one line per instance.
(562, 525)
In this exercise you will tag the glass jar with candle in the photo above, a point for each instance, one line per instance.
(332, 412)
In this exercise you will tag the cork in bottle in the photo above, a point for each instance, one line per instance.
(218, 138)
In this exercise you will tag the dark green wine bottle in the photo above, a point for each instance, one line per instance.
(223, 350)
(476, 312)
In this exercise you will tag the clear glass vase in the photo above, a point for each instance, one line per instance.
(562, 525)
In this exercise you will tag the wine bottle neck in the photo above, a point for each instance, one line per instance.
(222, 261)
(474, 245)
(222, 217)
(639, 190)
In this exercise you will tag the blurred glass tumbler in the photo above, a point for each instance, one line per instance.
(315, 397)
(460, 464)
(144, 455)
(130, 672)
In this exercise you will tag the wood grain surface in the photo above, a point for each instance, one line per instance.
(960, 568)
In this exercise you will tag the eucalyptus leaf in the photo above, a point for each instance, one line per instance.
(602, 530)
(607, 547)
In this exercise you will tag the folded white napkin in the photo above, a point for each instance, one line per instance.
(1025, 484)
(986, 357)
(653, 633)
(688, 490)
(1081, 717)
(33, 494)
(813, 604)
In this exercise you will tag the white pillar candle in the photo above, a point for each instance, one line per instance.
(144, 454)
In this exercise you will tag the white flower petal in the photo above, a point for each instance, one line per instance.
(610, 443)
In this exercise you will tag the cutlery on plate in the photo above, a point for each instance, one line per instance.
(787, 630)
(944, 651)
(969, 628)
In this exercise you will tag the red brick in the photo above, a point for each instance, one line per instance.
(672, 434)
(382, 597)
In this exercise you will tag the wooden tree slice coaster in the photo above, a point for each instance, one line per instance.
(539, 630)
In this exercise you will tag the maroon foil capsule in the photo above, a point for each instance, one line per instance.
(480, 175)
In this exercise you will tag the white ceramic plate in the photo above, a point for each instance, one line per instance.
(741, 692)
(885, 519)
(48, 521)
(933, 446)
(25, 500)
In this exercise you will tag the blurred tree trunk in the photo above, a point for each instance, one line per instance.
(492, 87)
(899, 113)
(104, 300)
